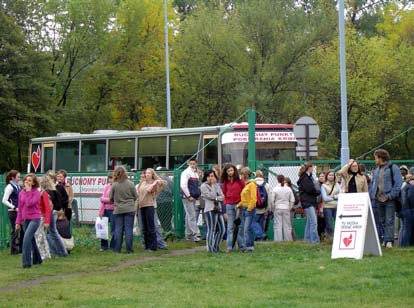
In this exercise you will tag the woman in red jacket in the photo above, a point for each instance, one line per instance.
(232, 188)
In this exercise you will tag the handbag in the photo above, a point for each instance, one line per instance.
(69, 243)
(101, 228)
(217, 207)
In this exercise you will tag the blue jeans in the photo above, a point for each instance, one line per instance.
(258, 226)
(111, 219)
(378, 225)
(215, 230)
(246, 234)
(124, 223)
(231, 216)
(31, 254)
(311, 228)
(55, 242)
(404, 234)
(330, 216)
(386, 212)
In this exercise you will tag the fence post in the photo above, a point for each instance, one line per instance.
(178, 206)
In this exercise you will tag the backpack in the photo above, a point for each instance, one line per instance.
(193, 188)
(261, 193)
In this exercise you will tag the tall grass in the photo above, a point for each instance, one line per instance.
(275, 275)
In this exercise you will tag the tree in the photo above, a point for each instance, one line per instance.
(135, 64)
(24, 93)
(230, 58)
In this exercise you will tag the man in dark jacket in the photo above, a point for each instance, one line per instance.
(309, 189)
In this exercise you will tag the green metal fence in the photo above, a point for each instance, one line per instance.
(89, 187)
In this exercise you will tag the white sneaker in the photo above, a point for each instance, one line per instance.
(389, 245)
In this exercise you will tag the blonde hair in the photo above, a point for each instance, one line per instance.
(51, 175)
(155, 176)
(46, 183)
(259, 173)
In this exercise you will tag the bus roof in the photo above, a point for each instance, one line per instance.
(154, 131)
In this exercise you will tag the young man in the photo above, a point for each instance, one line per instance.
(385, 189)
(190, 193)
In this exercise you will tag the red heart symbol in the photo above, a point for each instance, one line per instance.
(36, 159)
(347, 240)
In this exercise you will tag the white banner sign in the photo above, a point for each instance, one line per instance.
(355, 231)
(234, 137)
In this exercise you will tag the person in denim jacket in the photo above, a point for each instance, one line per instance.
(385, 189)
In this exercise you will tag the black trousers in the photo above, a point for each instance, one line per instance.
(148, 227)
(16, 238)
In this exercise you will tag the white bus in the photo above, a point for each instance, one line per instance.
(154, 147)
(89, 157)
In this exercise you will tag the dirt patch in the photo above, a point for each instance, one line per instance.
(37, 281)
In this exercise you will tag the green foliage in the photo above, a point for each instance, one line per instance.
(135, 65)
(24, 93)
(250, 55)
(97, 64)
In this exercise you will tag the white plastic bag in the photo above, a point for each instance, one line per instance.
(200, 219)
(101, 228)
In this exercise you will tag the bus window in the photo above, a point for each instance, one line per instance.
(121, 153)
(93, 155)
(67, 156)
(182, 148)
(275, 151)
(211, 150)
(152, 152)
(237, 153)
(48, 156)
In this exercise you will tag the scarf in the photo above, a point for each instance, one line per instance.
(352, 188)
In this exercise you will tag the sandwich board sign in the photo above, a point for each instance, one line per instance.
(355, 232)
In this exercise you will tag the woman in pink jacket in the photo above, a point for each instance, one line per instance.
(106, 210)
(28, 216)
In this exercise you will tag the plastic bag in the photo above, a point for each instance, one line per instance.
(101, 228)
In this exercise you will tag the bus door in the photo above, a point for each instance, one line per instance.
(210, 150)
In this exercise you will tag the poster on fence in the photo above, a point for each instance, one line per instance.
(355, 232)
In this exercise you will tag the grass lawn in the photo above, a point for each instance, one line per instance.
(275, 275)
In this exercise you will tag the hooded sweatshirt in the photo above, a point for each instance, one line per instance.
(29, 202)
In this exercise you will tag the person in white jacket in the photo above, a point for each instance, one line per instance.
(282, 202)
(190, 194)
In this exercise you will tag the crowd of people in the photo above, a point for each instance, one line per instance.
(235, 193)
(233, 204)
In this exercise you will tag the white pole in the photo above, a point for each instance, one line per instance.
(167, 70)
(344, 114)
